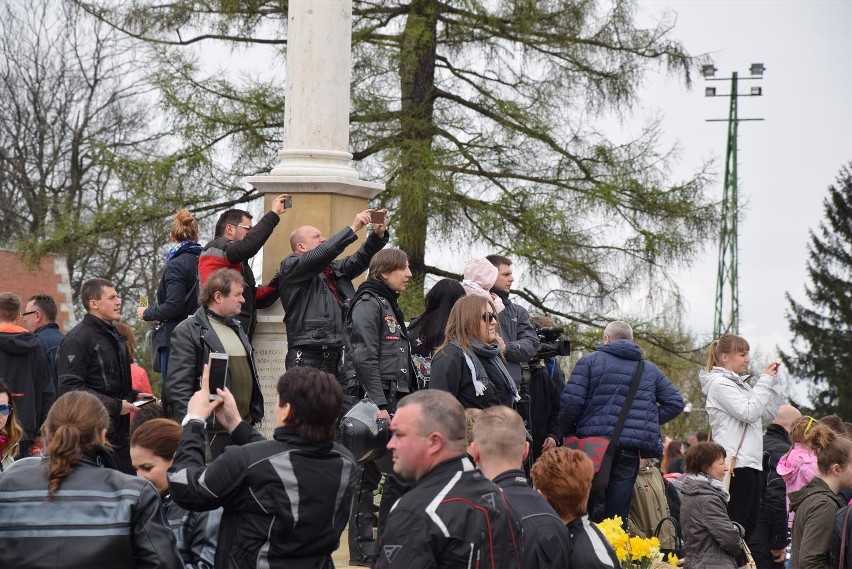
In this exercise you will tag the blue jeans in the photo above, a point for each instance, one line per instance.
(618, 496)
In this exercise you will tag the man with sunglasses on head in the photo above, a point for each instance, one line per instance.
(39, 317)
(236, 241)
(23, 365)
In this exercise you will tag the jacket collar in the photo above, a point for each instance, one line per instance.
(511, 478)
(778, 430)
(455, 464)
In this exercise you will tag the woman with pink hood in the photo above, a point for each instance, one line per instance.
(479, 277)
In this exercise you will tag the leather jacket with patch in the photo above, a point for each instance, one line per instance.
(312, 315)
(380, 350)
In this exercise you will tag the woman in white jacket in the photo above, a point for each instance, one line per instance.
(736, 411)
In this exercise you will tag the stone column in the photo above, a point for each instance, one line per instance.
(314, 163)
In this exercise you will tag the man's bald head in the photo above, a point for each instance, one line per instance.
(305, 238)
(786, 416)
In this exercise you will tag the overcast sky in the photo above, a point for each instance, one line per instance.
(785, 162)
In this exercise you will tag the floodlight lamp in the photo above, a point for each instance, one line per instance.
(757, 69)
(708, 70)
(710, 91)
(756, 91)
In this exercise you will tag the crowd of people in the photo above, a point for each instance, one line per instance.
(494, 459)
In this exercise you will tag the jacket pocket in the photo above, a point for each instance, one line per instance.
(316, 328)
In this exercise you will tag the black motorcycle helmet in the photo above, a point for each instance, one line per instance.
(364, 435)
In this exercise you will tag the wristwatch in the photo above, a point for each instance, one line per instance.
(190, 418)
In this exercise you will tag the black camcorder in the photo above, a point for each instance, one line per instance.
(551, 343)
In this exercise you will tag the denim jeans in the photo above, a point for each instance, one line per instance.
(618, 496)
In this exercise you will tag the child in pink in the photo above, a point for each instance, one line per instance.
(799, 466)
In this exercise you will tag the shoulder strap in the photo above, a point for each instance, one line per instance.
(742, 439)
(628, 402)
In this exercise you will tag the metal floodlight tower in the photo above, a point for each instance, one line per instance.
(727, 313)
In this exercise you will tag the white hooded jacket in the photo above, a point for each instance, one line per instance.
(732, 404)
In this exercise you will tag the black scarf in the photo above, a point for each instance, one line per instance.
(489, 355)
(378, 288)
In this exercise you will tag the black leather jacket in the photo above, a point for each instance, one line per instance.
(93, 358)
(99, 518)
(545, 536)
(380, 350)
(452, 516)
(285, 502)
(311, 313)
(192, 342)
(196, 533)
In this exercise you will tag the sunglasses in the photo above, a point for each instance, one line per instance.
(5, 409)
(489, 317)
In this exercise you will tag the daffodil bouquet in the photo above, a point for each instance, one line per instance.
(633, 552)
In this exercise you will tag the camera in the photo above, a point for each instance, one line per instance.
(288, 202)
(551, 343)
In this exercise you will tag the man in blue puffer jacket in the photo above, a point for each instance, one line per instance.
(592, 400)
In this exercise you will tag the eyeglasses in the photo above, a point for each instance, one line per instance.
(28, 313)
(489, 317)
(5, 409)
(246, 227)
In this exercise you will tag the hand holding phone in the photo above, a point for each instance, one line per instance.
(143, 402)
(143, 301)
(218, 373)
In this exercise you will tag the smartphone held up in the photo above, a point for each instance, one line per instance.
(379, 216)
(218, 373)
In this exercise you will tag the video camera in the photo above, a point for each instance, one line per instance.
(551, 343)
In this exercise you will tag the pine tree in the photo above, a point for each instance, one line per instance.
(822, 351)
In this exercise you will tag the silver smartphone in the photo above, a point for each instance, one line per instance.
(218, 373)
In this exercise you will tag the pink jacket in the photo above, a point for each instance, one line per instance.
(797, 468)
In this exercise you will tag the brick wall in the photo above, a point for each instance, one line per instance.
(49, 277)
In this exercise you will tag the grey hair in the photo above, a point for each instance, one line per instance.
(619, 330)
(441, 412)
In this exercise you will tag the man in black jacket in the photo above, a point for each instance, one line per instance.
(214, 328)
(499, 449)
(24, 367)
(93, 358)
(235, 243)
(454, 514)
(315, 291)
(285, 501)
(768, 542)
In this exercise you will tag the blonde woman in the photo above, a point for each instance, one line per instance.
(736, 411)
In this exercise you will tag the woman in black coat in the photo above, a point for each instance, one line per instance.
(469, 364)
(177, 293)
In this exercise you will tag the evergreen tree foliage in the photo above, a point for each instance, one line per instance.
(822, 352)
(482, 117)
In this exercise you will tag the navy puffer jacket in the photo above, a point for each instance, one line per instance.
(595, 393)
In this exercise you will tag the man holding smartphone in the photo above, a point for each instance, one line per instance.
(315, 290)
(214, 329)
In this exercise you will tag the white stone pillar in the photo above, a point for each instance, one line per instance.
(315, 162)
(316, 116)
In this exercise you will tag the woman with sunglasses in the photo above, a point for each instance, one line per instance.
(152, 449)
(11, 432)
(469, 364)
